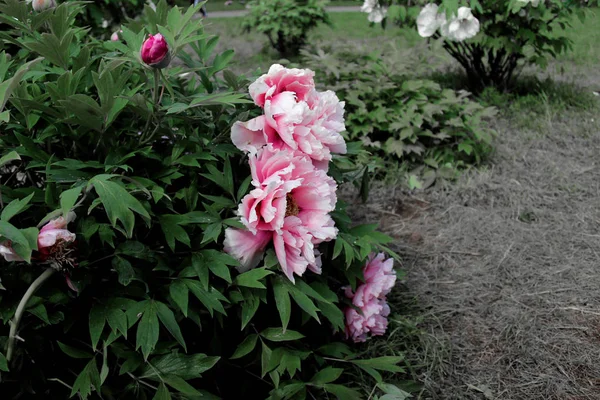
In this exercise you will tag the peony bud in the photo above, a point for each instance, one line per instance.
(42, 5)
(155, 52)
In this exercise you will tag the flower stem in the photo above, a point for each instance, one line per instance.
(146, 137)
(14, 324)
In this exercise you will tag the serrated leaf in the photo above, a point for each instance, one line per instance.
(118, 203)
(245, 347)
(252, 278)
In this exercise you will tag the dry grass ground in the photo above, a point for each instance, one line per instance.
(504, 264)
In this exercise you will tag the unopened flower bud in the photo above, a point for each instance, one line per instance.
(42, 5)
(155, 52)
(115, 37)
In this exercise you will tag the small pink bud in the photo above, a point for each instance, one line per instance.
(42, 5)
(155, 52)
(115, 37)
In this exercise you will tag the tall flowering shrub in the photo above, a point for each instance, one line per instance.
(156, 241)
(491, 39)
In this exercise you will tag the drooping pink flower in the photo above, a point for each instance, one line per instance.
(380, 278)
(8, 253)
(245, 246)
(372, 319)
(155, 51)
(369, 299)
(280, 79)
(54, 237)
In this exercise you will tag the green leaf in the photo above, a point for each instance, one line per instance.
(245, 347)
(124, 270)
(15, 207)
(282, 301)
(265, 359)
(3, 363)
(279, 335)
(303, 301)
(68, 198)
(20, 242)
(327, 375)
(97, 321)
(147, 330)
(210, 298)
(181, 365)
(252, 278)
(118, 203)
(249, 308)
(117, 320)
(170, 225)
(73, 352)
(87, 378)
(201, 267)
(167, 318)
(180, 294)
(219, 263)
(181, 386)
(342, 392)
(12, 156)
(387, 363)
(162, 393)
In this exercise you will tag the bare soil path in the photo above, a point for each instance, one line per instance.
(505, 264)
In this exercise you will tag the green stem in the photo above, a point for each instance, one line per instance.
(14, 325)
(155, 98)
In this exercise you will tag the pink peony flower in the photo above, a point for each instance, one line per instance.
(291, 200)
(54, 236)
(279, 79)
(8, 253)
(369, 298)
(246, 246)
(372, 319)
(380, 278)
(155, 51)
(297, 117)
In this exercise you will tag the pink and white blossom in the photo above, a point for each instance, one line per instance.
(372, 319)
(8, 253)
(246, 247)
(278, 80)
(55, 231)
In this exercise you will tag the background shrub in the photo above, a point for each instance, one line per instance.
(416, 128)
(286, 22)
(512, 34)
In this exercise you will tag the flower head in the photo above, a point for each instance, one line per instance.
(245, 246)
(115, 37)
(377, 14)
(461, 26)
(55, 240)
(372, 319)
(155, 51)
(279, 79)
(42, 5)
(429, 20)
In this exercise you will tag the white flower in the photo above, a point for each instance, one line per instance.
(368, 6)
(429, 20)
(534, 3)
(462, 26)
(377, 14)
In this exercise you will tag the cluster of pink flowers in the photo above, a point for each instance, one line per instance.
(54, 242)
(289, 149)
(370, 311)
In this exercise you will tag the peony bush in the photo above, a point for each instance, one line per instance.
(491, 40)
(162, 233)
